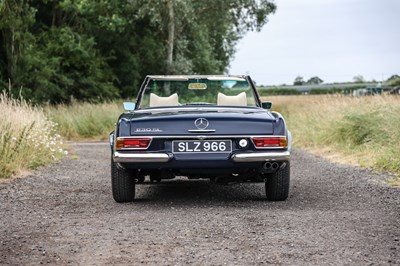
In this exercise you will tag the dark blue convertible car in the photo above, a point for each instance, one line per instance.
(200, 127)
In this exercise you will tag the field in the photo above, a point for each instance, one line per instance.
(359, 130)
(363, 131)
(85, 120)
(28, 139)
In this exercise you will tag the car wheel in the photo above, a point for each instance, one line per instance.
(123, 183)
(277, 184)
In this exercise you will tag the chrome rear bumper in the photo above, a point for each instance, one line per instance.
(261, 156)
(120, 157)
(141, 157)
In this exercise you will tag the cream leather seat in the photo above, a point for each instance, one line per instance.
(237, 100)
(156, 100)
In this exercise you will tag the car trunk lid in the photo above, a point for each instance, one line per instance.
(228, 121)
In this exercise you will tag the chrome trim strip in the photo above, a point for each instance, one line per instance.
(222, 78)
(201, 130)
(141, 157)
(187, 77)
(261, 156)
(212, 108)
(173, 78)
(164, 157)
(289, 140)
(201, 137)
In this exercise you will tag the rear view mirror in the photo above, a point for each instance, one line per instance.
(266, 105)
(197, 86)
(129, 106)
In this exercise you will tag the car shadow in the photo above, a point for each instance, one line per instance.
(198, 192)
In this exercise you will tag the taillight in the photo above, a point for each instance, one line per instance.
(270, 142)
(133, 143)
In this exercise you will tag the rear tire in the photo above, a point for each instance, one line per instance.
(277, 184)
(122, 183)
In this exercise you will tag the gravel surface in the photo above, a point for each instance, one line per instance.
(65, 214)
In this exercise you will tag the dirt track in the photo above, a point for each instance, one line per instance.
(335, 215)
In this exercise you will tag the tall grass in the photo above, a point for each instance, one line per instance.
(85, 120)
(27, 137)
(362, 130)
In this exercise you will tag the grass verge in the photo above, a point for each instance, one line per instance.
(85, 120)
(27, 138)
(358, 130)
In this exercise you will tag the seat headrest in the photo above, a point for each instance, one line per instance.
(156, 100)
(237, 100)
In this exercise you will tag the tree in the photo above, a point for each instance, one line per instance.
(298, 81)
(314, 81)
(171, 35)
(359, 79)
(66, 65)
(393, 81)
(16, 16)
(393, 77)
(56, 50)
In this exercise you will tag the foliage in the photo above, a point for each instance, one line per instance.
(334, 90)
(359, 79)
(16, 17)
(363, 130)
(298, 81)
(393, 77)
(314, 91)
(314, 81)
(53, 51)
(394, 82)
(27, 137)
(67, 67)
(278, 91)
(84, 120)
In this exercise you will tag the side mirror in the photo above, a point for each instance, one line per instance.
(266, 105)
(129, 106)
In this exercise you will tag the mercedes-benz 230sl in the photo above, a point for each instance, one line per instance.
(200, 127)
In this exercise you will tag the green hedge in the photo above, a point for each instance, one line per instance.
(314, 91)
(278, 91)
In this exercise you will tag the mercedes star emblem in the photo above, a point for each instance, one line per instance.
(201, 123)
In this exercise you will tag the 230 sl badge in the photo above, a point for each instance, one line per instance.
(148, 130)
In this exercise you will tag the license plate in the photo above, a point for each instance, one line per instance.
(202, 146)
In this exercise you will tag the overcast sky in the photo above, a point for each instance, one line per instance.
(333, 39)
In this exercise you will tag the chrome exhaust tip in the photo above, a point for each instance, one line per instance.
(267, 166)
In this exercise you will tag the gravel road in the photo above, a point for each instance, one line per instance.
(65, 214)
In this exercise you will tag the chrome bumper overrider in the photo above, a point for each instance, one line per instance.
(120, 157)
(141, 157)
(261, 156)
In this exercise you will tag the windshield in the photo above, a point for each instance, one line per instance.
(198, 91)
